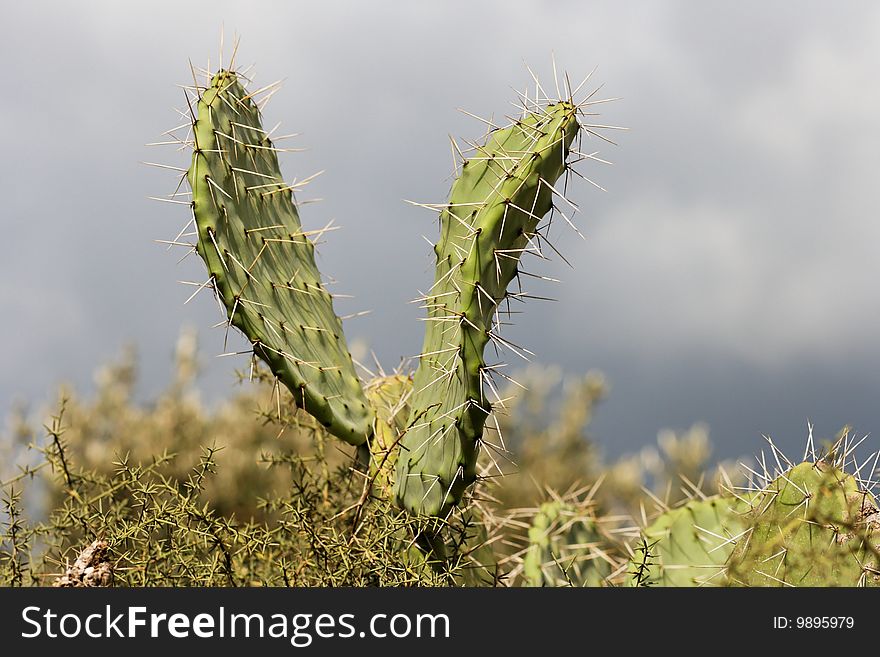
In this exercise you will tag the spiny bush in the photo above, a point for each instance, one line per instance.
(82, 509)
(158, 530)
(248, 491)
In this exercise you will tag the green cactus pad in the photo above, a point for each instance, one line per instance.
(493, 211)
(565, 548)
(689, 545)
(262, 264)
(811, 526)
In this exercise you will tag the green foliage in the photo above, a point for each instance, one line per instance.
(256, 478)
(262, 264)
(545, 429)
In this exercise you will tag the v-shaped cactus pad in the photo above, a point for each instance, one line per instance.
(262, 264)
(493, 213)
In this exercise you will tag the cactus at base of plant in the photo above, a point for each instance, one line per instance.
(389, 397)
(811, 526)
(565, 548)
(491, 218)
(262, 264)
(689, 545)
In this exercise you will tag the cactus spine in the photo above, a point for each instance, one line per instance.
(491, 218)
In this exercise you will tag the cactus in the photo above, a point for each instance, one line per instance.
(689, 545)
(491, 218)
(811, 526)
(262, 268)
(565, 548)
(261, 263)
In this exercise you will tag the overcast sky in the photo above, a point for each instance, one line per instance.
(728, 275)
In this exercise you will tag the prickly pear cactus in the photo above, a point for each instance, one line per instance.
(262, 268)
(565, 548)
(261, 263)
(689, 545)
(812, 526)
(493, 212)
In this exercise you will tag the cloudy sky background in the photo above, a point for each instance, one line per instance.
(728, 276)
